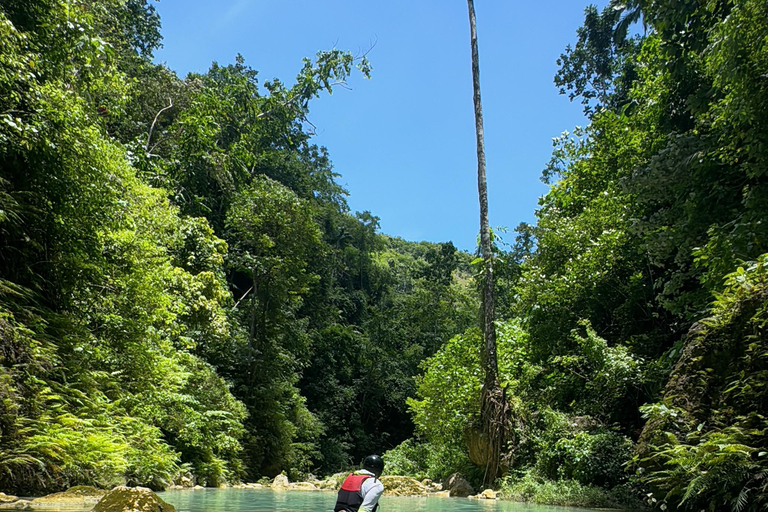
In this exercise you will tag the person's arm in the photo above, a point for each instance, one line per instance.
(371, 494)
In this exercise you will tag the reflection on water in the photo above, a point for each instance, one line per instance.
(249, 500)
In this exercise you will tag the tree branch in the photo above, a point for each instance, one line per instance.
(154, 123)
(241, 298)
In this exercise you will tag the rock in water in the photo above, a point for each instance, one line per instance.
(132, 499)
(281, 482)
(5, 498)
(12, 503)
(458, 486)
(303, 486)
(488, 494)
(81, 496)
(402, 486)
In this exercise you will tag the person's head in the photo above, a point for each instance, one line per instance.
(374, 464)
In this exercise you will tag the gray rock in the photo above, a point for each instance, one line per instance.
(458, 486)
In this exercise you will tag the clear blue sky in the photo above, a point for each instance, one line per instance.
(404, 141)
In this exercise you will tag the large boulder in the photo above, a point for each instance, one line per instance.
(78, 497)
(403, 486)
(281, 482)
(132, 499)
(458, 486)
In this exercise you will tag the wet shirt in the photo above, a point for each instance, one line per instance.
(359, 493)
(371, 490)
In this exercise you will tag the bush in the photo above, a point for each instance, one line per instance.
(429, 460)
(528, 487)
(409, 458)
(588, 458)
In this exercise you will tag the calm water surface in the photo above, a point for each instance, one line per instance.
(264, 500)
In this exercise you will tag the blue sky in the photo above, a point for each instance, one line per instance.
(404, 141)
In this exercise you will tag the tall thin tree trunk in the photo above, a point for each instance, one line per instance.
(494, 413)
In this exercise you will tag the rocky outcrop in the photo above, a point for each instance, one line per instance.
(12, 503)
(281, 483)
(334, 481)
(185, 480)
(303, 486)
(458, 486)
(79, 497)
(248, 486)
(488, 494)
(402, 486)
(132, 499)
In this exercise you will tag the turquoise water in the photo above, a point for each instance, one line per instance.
(249, 500)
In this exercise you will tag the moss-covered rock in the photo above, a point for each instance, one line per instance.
(4, 498)
(303, 486)
(403, 486)
(12, 503)
(488, 494)
(78, 497)
(332, 482)
(248, 485)
(132, 499)
(712, 417)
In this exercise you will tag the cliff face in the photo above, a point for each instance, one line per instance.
(706, 440)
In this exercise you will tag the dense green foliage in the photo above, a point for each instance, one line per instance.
(653, 206)
(183, 291)
(705, 442)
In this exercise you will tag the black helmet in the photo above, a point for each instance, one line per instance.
(374, 464)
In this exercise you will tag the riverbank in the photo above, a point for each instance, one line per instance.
(84, 498)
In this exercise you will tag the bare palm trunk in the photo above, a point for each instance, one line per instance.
(494, 411)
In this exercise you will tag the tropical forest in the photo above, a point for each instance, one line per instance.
(186, 295)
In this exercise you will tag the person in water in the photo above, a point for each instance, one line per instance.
(361, 490)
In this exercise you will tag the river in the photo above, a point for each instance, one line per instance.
(249, 500)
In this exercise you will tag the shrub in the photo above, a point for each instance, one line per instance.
(588, 458)
(527, 487)
(429, 460)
